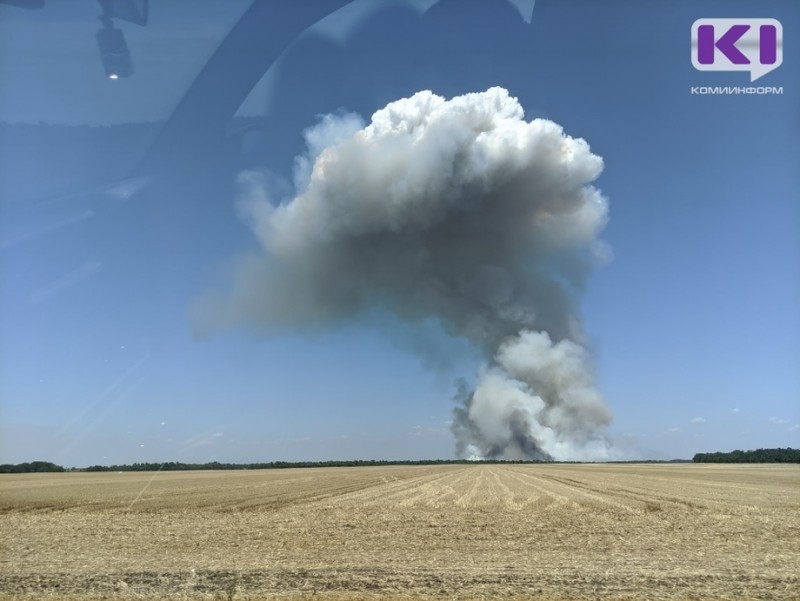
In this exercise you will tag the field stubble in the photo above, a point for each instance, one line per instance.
(466, 531)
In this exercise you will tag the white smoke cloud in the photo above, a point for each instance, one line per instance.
(457, 210)
(537, 401)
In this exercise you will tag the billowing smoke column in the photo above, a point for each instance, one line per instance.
(458, 210)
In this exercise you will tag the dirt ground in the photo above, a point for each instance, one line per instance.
(465, 531)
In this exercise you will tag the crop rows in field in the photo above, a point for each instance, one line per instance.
(497, 530)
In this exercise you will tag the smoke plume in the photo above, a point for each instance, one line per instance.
(454, 209)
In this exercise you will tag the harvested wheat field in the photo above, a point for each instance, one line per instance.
(454, 531)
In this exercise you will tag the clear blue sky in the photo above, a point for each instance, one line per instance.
(694, 326)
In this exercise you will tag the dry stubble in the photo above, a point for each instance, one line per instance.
(474, 531)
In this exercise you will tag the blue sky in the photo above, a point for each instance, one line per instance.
(694, 326)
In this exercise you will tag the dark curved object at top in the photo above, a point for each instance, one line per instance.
(198, 123)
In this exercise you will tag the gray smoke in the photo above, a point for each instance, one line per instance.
(458, 210)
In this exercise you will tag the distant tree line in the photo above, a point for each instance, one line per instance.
(758, 456)
(786, 455)
(33, 466)
(272, 465)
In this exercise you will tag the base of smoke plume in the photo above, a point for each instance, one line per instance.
(536, 400)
